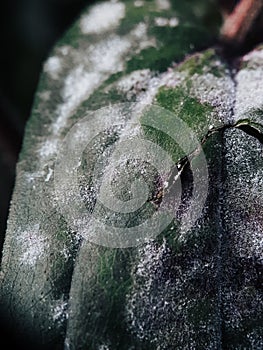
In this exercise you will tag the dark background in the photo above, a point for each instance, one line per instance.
(29, 29)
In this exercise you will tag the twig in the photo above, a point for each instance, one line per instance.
(240, 21)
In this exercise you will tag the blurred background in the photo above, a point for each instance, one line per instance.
(29, 29)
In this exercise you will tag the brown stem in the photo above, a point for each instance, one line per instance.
(240, 21)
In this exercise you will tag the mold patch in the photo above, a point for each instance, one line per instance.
(32, 245)
(102, 18)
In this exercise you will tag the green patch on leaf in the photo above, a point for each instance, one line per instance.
(72, 37)
(173, 44)
(135, 15)
(102, 96)
(206, 62)
(112, 286)
(188, 109)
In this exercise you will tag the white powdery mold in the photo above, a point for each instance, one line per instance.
(251, 244)
(40, 175)
(139, 34)
(151, 257)
(131, 131)
(255, 340)
(49, 174)
(78, 85)
(163, 4)
(219, 92)
(234, 311)
(255, 55)
(147, 269)
(53, 67)
(101, 60)
(32, 244)
(60, 311)
(66, 253)
(103, 347)
(102, 18)
(32, 177)
(158, 304)
(173, 78)
(249, 91)
(169, 78)
(148, 97)
(48, 148)
(138, 3)
(136, 80)
(244, 194)
(107, 55)
(44, 95)
(173, 22)
(166, 22)
(65, 50)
